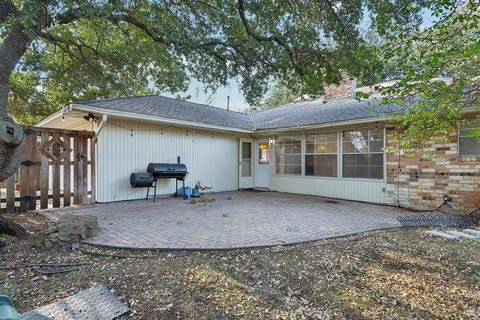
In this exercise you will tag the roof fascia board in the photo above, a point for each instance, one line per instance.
(323, 126)
(136, 116)
(342, 123)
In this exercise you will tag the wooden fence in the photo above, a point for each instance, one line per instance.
(57, 170)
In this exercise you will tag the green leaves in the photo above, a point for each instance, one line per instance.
(88, 49)
(440, 68)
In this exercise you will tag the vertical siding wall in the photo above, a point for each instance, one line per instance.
(342, 188)
(210, 157)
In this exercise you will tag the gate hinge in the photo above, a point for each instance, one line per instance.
(28, 163)
(27, 198)
(28, 131)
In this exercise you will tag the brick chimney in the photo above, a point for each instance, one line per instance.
(344, 90)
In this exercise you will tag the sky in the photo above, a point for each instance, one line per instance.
(198, 95)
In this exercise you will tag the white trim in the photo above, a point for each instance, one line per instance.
(322, 126)
(303, 151)
(51, 117)
(100, 127)
(149, 118)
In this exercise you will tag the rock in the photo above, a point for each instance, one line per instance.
(462, 234)
(442, 234)
(51, 229)
(473, 232)
(74, 228)
(388, 245)
(72, 246)
(48, 244)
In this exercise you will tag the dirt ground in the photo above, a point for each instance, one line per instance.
(397, 274)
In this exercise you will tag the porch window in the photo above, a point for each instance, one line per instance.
(288, 155)
(363, 153)
(469, 145)
(321, 155)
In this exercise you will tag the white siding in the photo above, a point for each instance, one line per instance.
(342, 188)
(210, 157)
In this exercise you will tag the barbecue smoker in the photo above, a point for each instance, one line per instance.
(155, 171)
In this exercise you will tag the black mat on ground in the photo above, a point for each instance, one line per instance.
(441, 220)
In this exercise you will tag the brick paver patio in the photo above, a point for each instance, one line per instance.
(234, 220)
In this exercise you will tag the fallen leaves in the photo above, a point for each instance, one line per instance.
(379, 275)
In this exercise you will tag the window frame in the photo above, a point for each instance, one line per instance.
(342, 153)
(459, 137)
(301, 154)
(336, 153)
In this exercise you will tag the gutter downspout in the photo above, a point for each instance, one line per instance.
(100, 127)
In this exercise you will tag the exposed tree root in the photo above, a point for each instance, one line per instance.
(12, 228)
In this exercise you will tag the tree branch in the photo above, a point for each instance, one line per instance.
(260, 38)
(7, 9)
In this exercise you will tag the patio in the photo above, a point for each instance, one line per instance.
(237, 219)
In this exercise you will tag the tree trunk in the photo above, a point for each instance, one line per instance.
(12, 50)
(12, 228)
(11, 136)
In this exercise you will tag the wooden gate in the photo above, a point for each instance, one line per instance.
(57, 170)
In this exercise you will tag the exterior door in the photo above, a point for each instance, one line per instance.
(245, 164)
(262, 163)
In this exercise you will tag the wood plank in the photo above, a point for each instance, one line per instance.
(38, 197)
(24, 176)
(56, 182)
(78, 168)
(85, 170)
(62, 131)
(33, 170)
(11, 194)
(93, 171)
(44, 173)
(66, 174)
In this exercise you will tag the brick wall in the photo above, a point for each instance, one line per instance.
(420, 183)
(345, 89)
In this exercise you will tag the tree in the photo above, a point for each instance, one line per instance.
(93, 48)
(440, 73)
(278, 95)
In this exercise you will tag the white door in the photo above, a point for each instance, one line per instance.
(262, 163)
(245, 164)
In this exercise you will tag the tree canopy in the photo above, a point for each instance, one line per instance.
(89, 49)
(439, 73)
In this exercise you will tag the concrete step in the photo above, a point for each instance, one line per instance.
(442, 234)
(473, 232)
(462, 234)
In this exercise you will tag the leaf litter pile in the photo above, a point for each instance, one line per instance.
(397, 274)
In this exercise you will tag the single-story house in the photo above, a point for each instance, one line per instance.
(333, 147)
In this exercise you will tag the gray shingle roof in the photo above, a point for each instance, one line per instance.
(292, 115)
(316, 112)
(175, 109)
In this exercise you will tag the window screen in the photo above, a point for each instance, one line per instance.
(288, 155)
(468, 141)
(321, 155)
(363, 153)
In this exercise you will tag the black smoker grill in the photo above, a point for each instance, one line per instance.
(155, 171)
(177, 171)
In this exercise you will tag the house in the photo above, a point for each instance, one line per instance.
(332, 147)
